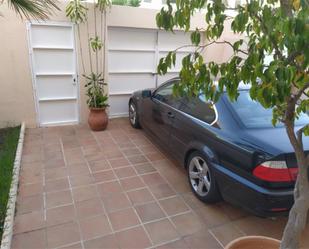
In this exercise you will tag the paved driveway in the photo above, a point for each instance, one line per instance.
(116, 189)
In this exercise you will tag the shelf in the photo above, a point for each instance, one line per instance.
(130, 50)
(132, 72)
(51, 48)
(54, 74)
(57, 99)
(120, 93)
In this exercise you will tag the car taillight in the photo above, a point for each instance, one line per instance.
(275, 171)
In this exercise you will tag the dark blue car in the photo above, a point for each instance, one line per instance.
(230, 149)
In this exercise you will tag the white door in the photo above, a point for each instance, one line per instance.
(53, 63)
(133, 56)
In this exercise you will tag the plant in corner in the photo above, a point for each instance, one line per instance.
(265, 28)
(93, 72)
(97, 101)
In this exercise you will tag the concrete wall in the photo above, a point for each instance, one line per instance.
(16, 93)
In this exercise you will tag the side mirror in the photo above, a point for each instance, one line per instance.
(146, 93)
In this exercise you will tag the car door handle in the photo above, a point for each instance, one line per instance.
(170, 115)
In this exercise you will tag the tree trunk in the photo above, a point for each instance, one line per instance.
(298, 213)
(297, 221)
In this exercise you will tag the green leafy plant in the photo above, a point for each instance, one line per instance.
(36, 9)
(77, 11)
(135, 3)
(120, 2)
(95, 91)
(266, 28)
(96, 44)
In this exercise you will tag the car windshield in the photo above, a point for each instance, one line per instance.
(254, 115)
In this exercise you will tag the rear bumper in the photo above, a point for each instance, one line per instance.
(254, 198)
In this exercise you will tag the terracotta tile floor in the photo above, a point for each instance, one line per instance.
(116, 189)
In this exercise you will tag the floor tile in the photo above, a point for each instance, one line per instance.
(123, 219)
(131, 183)
(88, 208)
(78, 169)
(144, 168)
(162, 191)
(140, 196)
(77, 245)
(59, 198)
(29, 222)
(57, 185)
(226, 233)
(94, 227)
(95, 157)
(111, 154)
(125, 172)
(30, 204)
(178, 244)
(161, 231)
(104, 176)
(154, 156)
(84, 193)
(30, 189)
(119, 162)
(174, 205)
(99, 165)
(131, 151)
(81, 180)
(60, 215)
(34, 240)
(63, 234)
(52, 174)
(133, 238)
(212, 215)
(137, 159)
(116, 201)
(105, 242)
(187, 223)
(153, 179)
(109, 188)
(202, 238)
(150, 211)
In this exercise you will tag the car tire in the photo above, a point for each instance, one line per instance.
(133, 115)
(201, 178)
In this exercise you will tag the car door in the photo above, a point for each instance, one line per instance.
(192, 126)
(160, 111)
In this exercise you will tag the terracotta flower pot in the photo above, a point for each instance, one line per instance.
(254, 242)
(97, 119)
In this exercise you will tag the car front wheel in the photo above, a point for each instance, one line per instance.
(201, 178)
(133, 115)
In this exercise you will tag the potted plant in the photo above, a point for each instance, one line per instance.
(97, 102)
(93, 68)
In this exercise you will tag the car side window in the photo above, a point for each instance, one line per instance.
(165, 94)
(199, 108)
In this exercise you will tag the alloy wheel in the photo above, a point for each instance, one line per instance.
(132, 114)
(199, 176)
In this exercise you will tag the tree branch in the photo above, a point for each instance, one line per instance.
(300, 135)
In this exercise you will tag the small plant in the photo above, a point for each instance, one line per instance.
(119, 2)
(96, 44)
(95, 91)
(135, 3)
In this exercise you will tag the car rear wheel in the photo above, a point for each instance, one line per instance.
(201, 178)
(133, 115)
